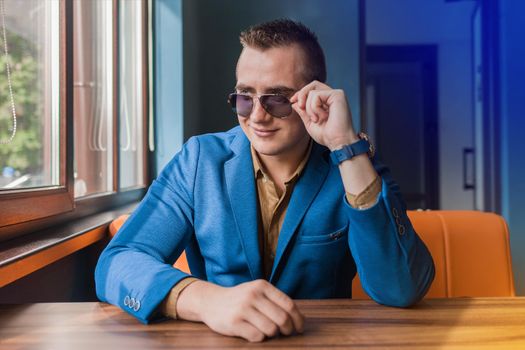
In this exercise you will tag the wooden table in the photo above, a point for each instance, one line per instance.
(466, 323)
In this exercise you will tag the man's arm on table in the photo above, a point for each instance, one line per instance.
(394, 265)
(135, 270)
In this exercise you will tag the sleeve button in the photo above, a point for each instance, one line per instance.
(137, 306)
(395, 213)
(126, 300)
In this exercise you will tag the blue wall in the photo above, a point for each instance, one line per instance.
(512, 69)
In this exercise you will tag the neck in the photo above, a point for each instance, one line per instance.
(281, 167)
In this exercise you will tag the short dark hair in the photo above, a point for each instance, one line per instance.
(284, 32)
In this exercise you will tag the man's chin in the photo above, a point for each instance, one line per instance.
(267, 151)
(267, 148)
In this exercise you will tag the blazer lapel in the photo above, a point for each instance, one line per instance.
(240, 183)
(303, 194)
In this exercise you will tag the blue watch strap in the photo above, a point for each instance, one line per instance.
(349, 151)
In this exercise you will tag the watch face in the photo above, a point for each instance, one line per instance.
(371, 149)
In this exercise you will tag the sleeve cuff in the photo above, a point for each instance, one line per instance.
(366, 198)
(169, 306)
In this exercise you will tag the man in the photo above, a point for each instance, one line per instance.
(288, 205)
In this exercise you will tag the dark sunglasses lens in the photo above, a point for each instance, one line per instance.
(241, 104)
(277, 105)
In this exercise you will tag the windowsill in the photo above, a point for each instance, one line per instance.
(26, 254)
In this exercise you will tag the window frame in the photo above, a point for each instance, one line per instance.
(29, 210)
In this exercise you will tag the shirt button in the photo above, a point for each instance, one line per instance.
(137, 306)
(401, 230)
(126, 300)
(131, 303)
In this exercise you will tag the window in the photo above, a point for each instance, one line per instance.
(76, 73)
(93, 98)
(131, 83)
(29, 94)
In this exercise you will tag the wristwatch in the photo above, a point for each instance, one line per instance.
(350, 151)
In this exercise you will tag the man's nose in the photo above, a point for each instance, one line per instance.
(259, 114)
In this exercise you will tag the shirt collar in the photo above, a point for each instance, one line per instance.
(258, 168)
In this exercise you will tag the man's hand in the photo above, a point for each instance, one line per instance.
(325, 114)
(252, 310)
(327, 118)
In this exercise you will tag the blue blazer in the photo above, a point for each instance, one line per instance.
(205, 201)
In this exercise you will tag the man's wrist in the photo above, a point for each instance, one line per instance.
(191, 303)
(338, 143)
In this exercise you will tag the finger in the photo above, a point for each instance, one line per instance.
(262, 322)
(319, 105)
(314, 106)
(314, 117)
(302, 94)
(287, 305)
(301, 98)
(276, 314)
(293, 99)
(302, 114)
(250, 332)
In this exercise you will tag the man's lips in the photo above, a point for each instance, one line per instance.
(264, 132)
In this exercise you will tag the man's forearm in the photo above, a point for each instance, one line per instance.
(357, 174)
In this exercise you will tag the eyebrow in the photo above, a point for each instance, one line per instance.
(278, 89)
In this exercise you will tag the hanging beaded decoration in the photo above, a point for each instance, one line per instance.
(8, 72)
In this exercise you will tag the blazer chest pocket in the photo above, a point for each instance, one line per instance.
(334, 236)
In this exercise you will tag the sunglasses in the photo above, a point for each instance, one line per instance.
(277, 105)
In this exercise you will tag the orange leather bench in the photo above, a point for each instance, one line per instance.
(471, 253)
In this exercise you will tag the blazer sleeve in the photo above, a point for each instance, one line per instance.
(394, 265)
(135, 270)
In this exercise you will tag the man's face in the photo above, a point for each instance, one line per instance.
(274, 70)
